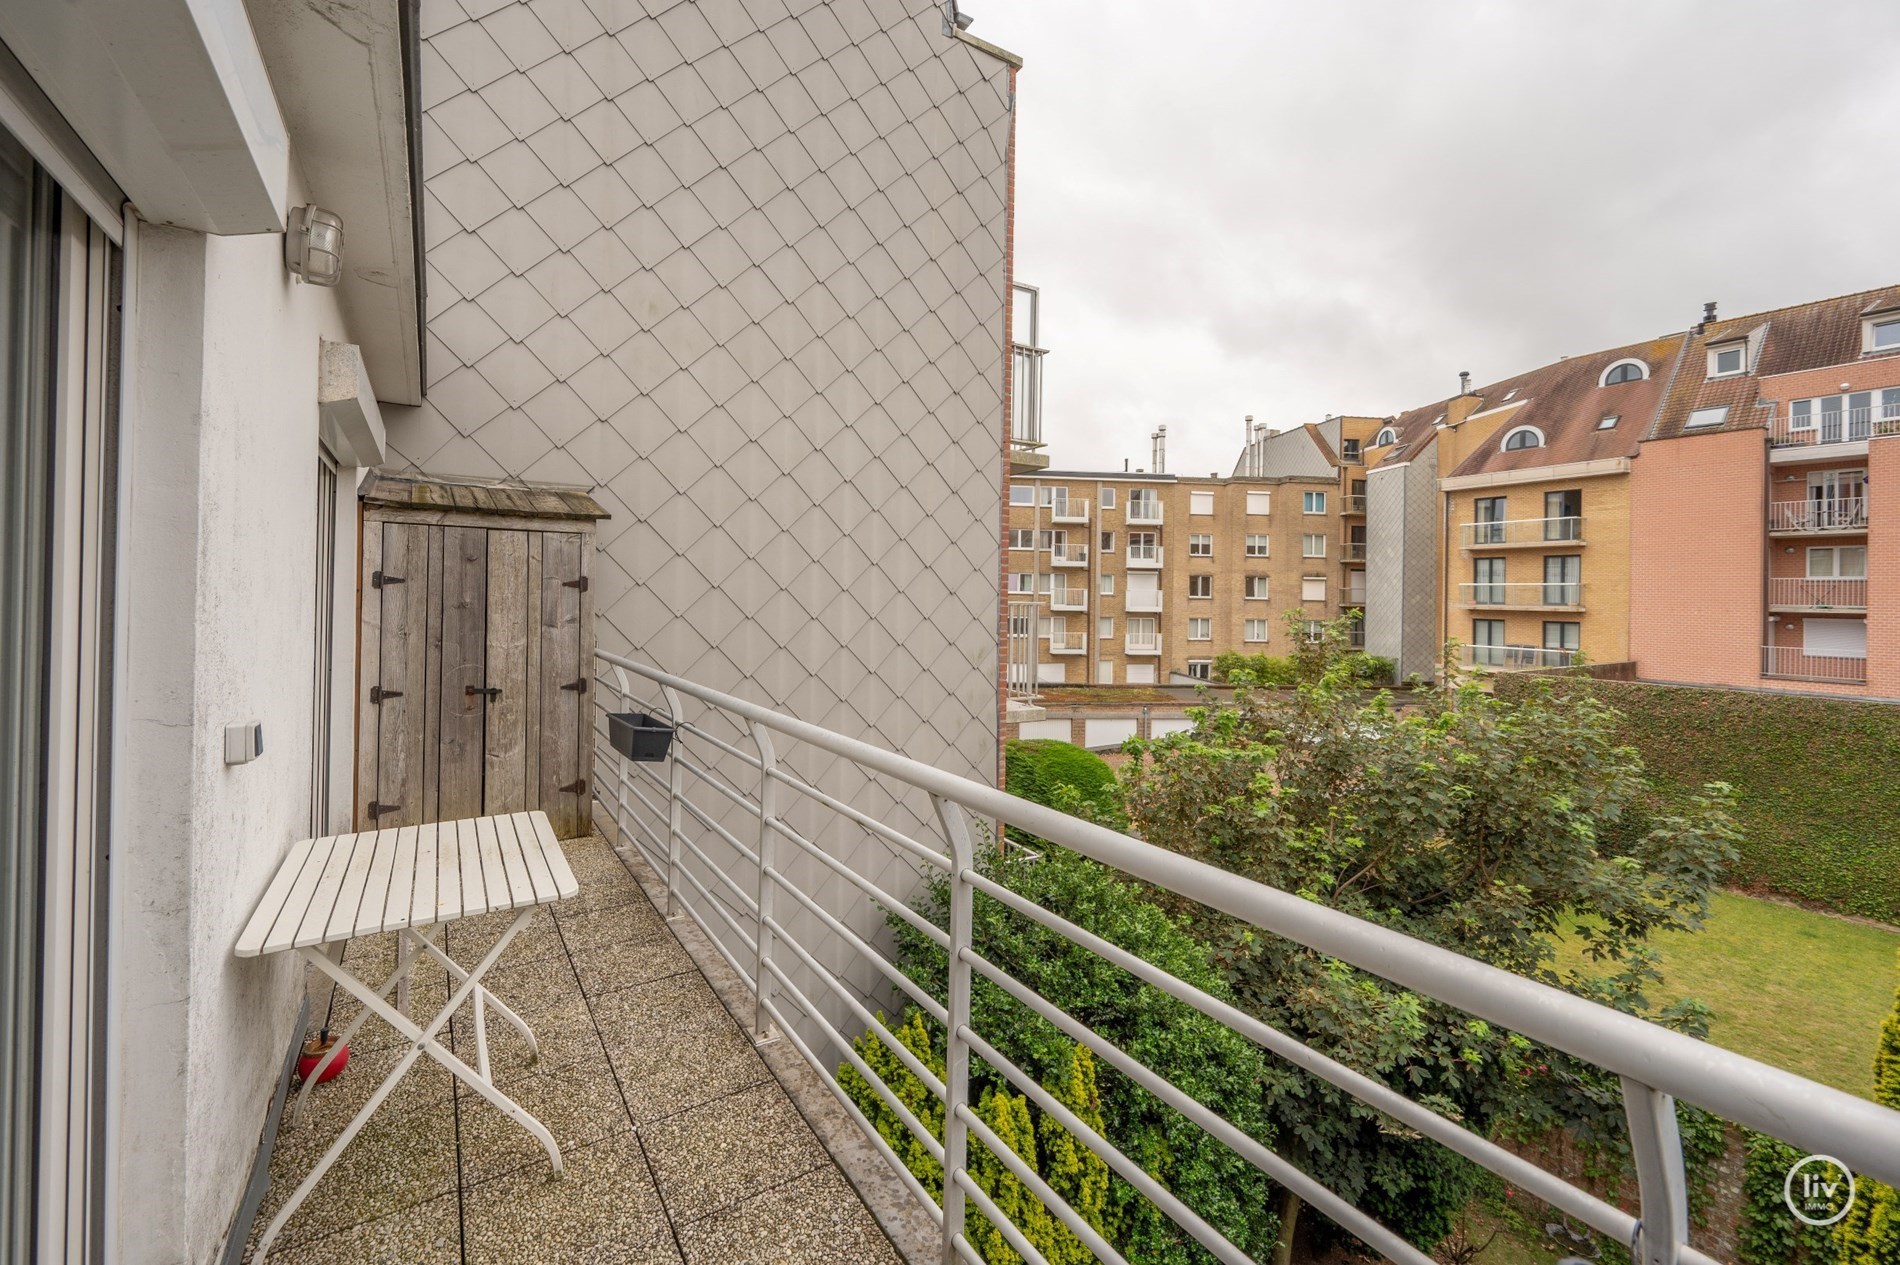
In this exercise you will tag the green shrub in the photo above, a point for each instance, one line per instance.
(1817, 780)
(1870, 1233)
(1038, 768)
(1231, 667)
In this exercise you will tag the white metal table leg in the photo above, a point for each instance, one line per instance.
(515, 1021)
(400, 979)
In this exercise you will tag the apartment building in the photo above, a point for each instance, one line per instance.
(1141, 579)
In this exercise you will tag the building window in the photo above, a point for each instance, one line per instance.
(1487, 520)
(1562, 635)
(1521, 437)
(1045, 582)
(1563, 580)
(1019, 625)
(1349, 451)
(1312, 588)
(1201, 545)
(1313, 502)
(1200, 669)
(1257, 546)
(1022, 539)
(1609, 422)
(1108, 542)
(1707, 417)
(1255, 630)
(1108, 498)
(1142, 503)
(1200, 586)
(1850, 417)
(1259, 502)
(1108, 584)
(1837, 562)
(1727, 361)
(1022, 494)
(1624, 371)
(1045, 540)
(1022, 582)
(1315, 629)
(1487, 642)
(1256, 588)
(1487, 581)
(1105, 671)
(1883, 333)
(1045, 496)
(1313, 545)
(1385, 436)
(1105, 627)
(1200, 502)
(1563, 514)
(1200, 630)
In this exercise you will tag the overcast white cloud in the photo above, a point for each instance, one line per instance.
(1305, 207)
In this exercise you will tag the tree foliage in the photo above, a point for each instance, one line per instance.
(1466, 821)
(1870, 1233)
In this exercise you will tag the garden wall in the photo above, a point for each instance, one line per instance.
(1817, 781)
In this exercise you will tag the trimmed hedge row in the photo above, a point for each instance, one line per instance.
(1817, 780)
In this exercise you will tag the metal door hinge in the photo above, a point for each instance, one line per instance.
(575, 788)
(580, 584)
(376, 810)
(378, 580)
(579, 687)
(377, 694)
(486, 691)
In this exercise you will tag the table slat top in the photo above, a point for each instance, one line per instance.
(343, 886)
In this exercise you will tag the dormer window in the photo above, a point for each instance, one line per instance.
(1729, 359)
(1508, 396)
(1523, 437)
(1384, 437)
(1624, 371)
(1881, 332)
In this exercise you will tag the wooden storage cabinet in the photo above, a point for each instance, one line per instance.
(475, 653)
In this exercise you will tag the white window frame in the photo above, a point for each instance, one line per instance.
(1198, 499)
(1264, 543)
(1259, 502)
(1258, 588)
(1642, 371)
(1721, 349)
(1200, 544)
(1200, 628)
(1307, 541)
(1504, 444)
(1872, 327)
(1022, 582)
(1105, 628)
(1256, 631)
(1023, 538)
(1022, 495)
(1108, 584)
(1205, 582)
(1312, 588)
(1201, 669)
(1386, 437)
(1312, 503)
(1702, 418)
(1106, 495)
(1107, 542)
(1105, 672)
(1609, 421)
(1834, 554)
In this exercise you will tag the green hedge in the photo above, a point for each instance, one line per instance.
(1817, 781)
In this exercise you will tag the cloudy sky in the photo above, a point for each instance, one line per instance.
(1299, 207)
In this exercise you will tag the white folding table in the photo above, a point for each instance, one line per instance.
(411, 880)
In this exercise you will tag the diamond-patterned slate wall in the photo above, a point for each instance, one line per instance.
(1402, 526)
(738, 266)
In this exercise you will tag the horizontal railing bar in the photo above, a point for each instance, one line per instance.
(1789, 1107)
(707, 931)
(936, 934)
(718, 871)
(1058, 1207)
(750, 759)
(922, 850)
(737, 797)
(1013, 1236)
(705, 819)
(719, 907)
(884, 965)
(1553, 1190)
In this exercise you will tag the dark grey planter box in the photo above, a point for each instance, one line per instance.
(639, 736)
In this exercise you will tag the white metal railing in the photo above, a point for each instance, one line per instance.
(1835, 426)
(1844, 513)
(1353, 551)
(1069, 509)
(1352, 503)
(1352, 596)
(1528, 594)
(1141, 512)
(1025, 427)
(1814, 594)
(1073, 597)
(1068, 641)
(1069, 555)
(1133, 644)
(1022, 650)
(1522, 531)
(1796, 664)
(1147, 557)
(1517, 658)
(650, 805)
(1144, 602)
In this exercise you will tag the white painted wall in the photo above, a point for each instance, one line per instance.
(218, 551)
(1107, 733)
(1056, 729)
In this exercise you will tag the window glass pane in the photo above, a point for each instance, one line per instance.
(1021, 494)
(1259, 502)
(1200, 502)
(1887, 334)
(1108, 498)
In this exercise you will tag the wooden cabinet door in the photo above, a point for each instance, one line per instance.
(459, 643)
(510, 620)
(562, 693)
(394, 681)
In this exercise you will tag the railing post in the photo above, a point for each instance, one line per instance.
(1656, 1146)
(768, 858)
(956, 1058)
(675, 784)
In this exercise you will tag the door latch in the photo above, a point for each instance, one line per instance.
(486, 691)
(377, 694)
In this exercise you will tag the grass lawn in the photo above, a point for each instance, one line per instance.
(1801, 990)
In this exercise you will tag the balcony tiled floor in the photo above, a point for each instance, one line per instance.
(680, 1144)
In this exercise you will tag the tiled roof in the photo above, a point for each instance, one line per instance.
(1805, 336)
(1565, 401)
(1415, 428)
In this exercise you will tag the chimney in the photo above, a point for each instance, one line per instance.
(1161, 450)
(1708, 314)
(1247, 459)
(1464, 382)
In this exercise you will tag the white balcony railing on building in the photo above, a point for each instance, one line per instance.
(1069, 509)
(1147, 557)
(1134, 644)
(1352, 596)
(1517, 658)
(1025, 427)
(1069, 555)
(748, 849)
(1022, 650)
(1795, 664)
(1141, 512)
(1068, 641)
(1835, 426)
(1800, 593)
(1352, 503)
(1069, 597)
(1530, 594)
(1836, 514)
(1136, 601)
(1522, 531)
(1353, 551)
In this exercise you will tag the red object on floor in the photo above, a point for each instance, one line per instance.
(313, 1052)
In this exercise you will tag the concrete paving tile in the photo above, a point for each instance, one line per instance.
(603, 887)
(615, 966)
(333, 1102)
(730, 1149)
(604, 1211)
(579, 1104)
(623, 924)
(471, 938)
(429, 1233)
(400, 1159)
(529, 987)
(565, 1034)
(816, 1219)
(669, 1059)
(428, 993)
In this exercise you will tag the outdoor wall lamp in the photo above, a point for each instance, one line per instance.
(313, 246)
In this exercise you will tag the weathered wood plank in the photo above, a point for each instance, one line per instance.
(316, 915)
(561, 709)
(264, 917)
(369, 659)
(468, 853)
(422, 902)
(297, 904)
(432, 684)
(531, 765)
(538, 871)
(584, 728)
(505, 756)
(464, 672)
(399, 901)
(494, 866)
(401, 726)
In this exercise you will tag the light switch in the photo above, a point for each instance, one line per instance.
(243, 743)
